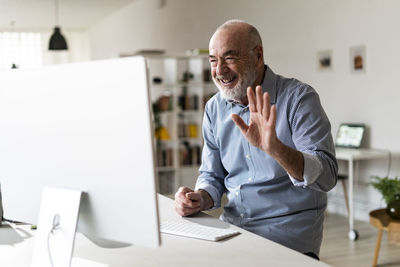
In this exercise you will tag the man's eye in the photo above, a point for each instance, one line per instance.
(230, 59)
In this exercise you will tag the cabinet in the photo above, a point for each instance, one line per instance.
(179, 87)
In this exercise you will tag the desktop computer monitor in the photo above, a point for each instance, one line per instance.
(83, 126)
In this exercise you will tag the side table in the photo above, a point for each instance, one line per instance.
(381, 220)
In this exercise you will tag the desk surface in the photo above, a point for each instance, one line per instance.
(246, 249)
(360, 153)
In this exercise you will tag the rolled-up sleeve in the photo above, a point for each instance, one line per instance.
(312, 170)
(212, 172)
(311, 134)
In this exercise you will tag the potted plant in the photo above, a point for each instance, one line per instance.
(390, 190)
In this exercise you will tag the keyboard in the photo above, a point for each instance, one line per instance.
(193, 230)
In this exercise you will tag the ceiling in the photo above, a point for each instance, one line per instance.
(40, 14)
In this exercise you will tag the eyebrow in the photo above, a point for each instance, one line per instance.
(227, 53)
(231, 53)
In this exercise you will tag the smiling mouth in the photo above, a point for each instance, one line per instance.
(227, 81)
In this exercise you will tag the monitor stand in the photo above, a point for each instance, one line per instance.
(57, 223)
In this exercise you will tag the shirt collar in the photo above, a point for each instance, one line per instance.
(269, 84)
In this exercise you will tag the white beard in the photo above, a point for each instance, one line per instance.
(239, 92)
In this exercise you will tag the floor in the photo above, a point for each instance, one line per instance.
(339, 251)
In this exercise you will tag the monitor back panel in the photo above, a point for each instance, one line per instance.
(84, 126)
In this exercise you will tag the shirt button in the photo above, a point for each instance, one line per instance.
(250, 179)
(241, 215)
(247, 156)
(237, 193)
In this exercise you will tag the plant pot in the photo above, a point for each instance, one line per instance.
(393, 208)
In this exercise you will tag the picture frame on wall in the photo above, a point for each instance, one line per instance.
(358, 59)
(324, 60)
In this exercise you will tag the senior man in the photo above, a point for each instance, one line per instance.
(267, 145)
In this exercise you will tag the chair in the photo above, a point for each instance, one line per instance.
(342, 178)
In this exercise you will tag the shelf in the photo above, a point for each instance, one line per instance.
(189, 167)
(190, 112)
(182, 115)
(194, 83)
(165, 169)
(166, 113)
(190, 139)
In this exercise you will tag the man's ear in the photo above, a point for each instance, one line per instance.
(259, 53)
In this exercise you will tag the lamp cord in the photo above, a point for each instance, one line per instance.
(56, 11)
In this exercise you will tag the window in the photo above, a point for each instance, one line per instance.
(23, 49)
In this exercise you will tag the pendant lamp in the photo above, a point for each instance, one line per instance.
(57, 40)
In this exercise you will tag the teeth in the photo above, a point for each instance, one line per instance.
(227, 81)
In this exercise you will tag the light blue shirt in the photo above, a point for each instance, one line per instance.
(262, 197)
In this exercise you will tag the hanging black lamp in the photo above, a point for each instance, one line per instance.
(57, 40)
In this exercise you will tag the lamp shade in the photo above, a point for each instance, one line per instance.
(57, 40)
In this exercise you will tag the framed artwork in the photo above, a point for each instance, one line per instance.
(324, 60)
(358, 59)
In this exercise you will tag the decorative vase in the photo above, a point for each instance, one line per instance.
(393, 208)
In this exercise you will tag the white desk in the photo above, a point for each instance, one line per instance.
(353, 156)
(246, 249)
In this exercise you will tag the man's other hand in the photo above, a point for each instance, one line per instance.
(188, 202)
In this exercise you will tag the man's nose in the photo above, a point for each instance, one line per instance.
(222, 68)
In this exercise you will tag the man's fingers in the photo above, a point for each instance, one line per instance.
(186, 211)
(185, 205)
(190, 211)
(180, 197)
(195, 196)
(240, 123)
(272, 117)
(184, 189)
(266, 107)
(252, 99)
(259, 95)
(182, 204)
(186, 202)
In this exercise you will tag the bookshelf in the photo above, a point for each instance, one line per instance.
(179, 87)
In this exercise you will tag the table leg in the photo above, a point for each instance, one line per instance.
(377, 247)
(351, 188)
(353, 234)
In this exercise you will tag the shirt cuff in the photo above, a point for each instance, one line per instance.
(312, 169)
(213, 192)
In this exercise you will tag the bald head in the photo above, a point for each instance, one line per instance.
(242, 30)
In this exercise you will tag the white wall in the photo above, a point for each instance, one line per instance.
(293, 32)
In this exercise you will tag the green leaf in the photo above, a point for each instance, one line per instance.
(388, 187)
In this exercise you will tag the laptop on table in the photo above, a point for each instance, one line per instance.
(350, 135)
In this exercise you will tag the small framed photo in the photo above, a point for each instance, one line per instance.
(358, 59)
(324, 60)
